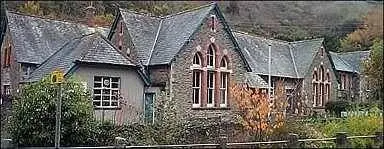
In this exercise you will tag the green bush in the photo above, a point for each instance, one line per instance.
(337, 106)
(33, 115)
(356, 126)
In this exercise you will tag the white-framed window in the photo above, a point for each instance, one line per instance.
(211, 89)
(196, 81)
(223, 83)
(106, 91)
(196, 60)
(213, 23)
(196, 87)
(211, 56)
(224, 89)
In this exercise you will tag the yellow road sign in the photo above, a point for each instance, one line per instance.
(57, 76)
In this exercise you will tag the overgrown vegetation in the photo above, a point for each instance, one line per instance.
(355, 125)
(257, 115)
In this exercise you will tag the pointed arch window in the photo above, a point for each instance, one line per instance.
(328, 86)
(211, 56)
(196, 81)
(224, 83)
(315, 87)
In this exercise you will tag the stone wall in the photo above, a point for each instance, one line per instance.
(181, 73)
(308, 78)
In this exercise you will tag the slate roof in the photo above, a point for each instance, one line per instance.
(349, 61)
(159, 39)
(255, 81)
(92, 48)
(288, 59)
(142, 30)
(36, 39)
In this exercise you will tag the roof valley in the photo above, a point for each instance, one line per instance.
(293, 60)
(154, 43)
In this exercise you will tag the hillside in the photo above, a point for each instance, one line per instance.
(294, 20)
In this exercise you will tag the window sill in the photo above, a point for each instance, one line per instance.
(211, 108)
(319, 107)
(107, 108)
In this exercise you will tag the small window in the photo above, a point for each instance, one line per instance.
(223, 63)
(7, 90)
(211, 89)
(213, 23)
(106, 92)
(211, 56)
(26, 71)
(121, 28)
(149, 113)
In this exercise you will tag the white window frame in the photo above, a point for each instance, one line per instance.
(198, 88)
(110, 88)
(209, 56)
(213, 23)
(193, 61)
(224, 83)
(211, 88)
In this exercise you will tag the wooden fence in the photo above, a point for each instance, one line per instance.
(341, 140)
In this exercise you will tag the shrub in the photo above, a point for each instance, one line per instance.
(33, 115)
(356, 126)
(337, 106)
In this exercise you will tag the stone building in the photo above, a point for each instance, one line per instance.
(352, 84)
(191, 58)
(304, 67)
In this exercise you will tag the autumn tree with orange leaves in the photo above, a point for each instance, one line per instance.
(258, 115)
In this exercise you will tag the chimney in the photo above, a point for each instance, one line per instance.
(90, 15)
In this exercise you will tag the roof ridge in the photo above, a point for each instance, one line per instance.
(259, 36)
(188, 10)
(45, 18)
(140, 13)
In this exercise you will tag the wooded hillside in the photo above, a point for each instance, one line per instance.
(295, 20)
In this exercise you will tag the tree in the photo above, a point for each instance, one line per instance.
(362, 38)
(33, 114)
(257, 115)
(373, 68)
(31, 7)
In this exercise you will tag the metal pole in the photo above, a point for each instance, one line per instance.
(58, 117)
(269, 72)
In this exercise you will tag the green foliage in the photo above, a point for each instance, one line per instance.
(337, 106)
(356, 126)
(373, 68)
(33, 114)
(363, 38)
(31, 7)
(104, 19)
